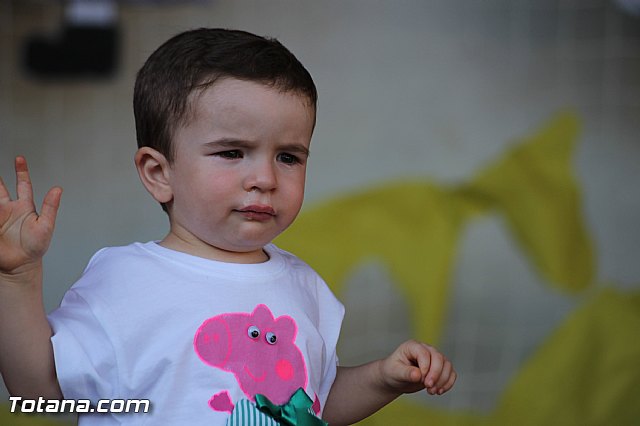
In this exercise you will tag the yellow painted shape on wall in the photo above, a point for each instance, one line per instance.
(414, 227)
(404, 412)
(534, 187)
(12, 419)
(586, 373)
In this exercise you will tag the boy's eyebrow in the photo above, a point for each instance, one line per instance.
(295, 148)
(238, 143)
(229, 143)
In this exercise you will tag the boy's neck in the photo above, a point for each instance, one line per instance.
(202, 249)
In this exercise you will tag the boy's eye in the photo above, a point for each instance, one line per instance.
(288, 158)
(232, 154)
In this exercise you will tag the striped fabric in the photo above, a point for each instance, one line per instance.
(246, 413)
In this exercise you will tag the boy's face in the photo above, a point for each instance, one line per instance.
(239, 171)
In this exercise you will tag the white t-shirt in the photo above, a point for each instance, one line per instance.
(194, 336)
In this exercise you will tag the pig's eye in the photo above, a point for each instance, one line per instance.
(271, 338)
(253, 332)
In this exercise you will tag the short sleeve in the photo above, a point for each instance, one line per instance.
(331, 316)
(84, 356)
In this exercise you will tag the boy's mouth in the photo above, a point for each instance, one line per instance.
(257, 212)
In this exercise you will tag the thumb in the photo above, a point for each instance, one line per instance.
(411, 374)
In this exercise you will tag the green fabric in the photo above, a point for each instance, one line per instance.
(296, 412)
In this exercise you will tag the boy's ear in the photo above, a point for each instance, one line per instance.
(153, 169)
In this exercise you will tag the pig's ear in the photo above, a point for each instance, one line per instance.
(262, 315)
(212, 342)
(286, 329)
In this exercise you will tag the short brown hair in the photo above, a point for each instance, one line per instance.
(194, 60)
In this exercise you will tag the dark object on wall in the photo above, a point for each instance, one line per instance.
(86, 45)
(80, 51)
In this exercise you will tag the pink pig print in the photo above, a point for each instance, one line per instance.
(258, 349)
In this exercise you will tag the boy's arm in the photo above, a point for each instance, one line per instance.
(26, 358)
(360, 391)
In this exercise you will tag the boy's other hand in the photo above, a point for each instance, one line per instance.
(24, 234)
(414, 366)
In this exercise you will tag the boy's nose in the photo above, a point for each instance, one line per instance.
(261, 177)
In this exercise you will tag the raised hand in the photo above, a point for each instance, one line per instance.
(24, 234)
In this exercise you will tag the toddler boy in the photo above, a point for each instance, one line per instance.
(213, 324)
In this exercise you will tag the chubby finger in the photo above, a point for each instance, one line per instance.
(452, 379)
(24, 189)
(447, 369)
(435, 369)
(50, 205)
(421, 352)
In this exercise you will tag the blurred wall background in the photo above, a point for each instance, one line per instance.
(409, 90)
